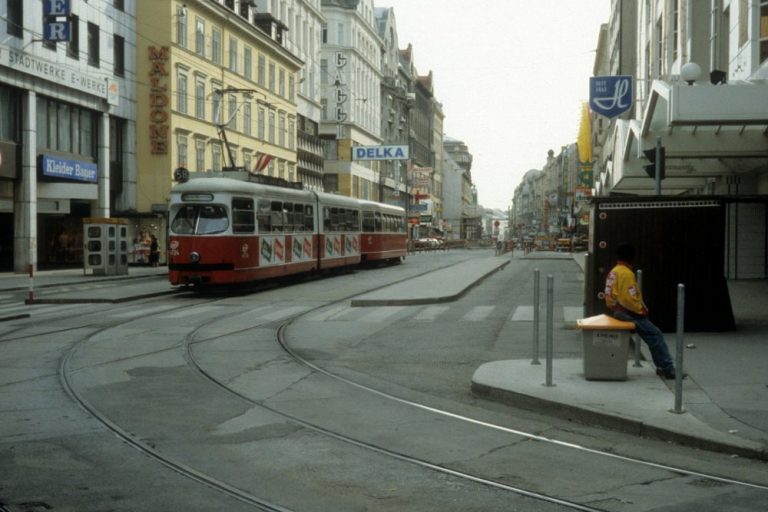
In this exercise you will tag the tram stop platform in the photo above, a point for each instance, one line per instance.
(724, 397)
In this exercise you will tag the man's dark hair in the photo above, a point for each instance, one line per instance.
(625, 252)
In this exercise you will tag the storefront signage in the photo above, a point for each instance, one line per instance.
(380, 153)
(158, 99)
(41, 68)
(341, 91)
(56, 22)
(610, 96)
(56, 167)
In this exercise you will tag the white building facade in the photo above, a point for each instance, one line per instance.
(67, 128)
(350, 83)
(304, 23)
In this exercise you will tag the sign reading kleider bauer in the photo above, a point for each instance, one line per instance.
(380, 152)
(610, 96)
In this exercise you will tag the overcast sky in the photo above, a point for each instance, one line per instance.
(511, 75)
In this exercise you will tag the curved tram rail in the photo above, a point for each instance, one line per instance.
(243, 496)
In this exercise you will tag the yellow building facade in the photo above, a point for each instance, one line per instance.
(215, 89)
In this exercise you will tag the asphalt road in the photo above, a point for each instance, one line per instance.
(188, 402)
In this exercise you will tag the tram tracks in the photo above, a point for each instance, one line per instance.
(191, 339)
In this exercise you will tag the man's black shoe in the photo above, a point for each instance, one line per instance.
(668, 374)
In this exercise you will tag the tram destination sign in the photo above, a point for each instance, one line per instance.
(380, 153)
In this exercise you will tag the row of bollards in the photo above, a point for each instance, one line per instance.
(549, 347)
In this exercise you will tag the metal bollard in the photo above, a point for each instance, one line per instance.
(679, 350)
(535, 317)
(635, 337)
(550, 322)
(31, 298)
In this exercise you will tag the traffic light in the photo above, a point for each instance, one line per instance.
(650, 169)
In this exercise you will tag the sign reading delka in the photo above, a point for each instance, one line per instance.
(380, 153)
(610, 96)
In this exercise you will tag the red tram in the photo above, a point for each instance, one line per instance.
(226, 230)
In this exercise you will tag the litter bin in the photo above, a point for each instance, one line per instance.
(606, 347)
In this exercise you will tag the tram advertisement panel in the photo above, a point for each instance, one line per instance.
(302, 248)
(272, 250)
(333, 246)
(352, 245)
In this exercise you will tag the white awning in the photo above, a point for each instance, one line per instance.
(707, 131)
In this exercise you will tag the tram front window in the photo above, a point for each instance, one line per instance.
(200, 220)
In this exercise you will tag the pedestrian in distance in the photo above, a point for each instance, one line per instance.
(625, 302)
(154, 251)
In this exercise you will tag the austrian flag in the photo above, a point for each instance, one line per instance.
(262, 162)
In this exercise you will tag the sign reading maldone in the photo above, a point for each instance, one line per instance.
(380, 153)
(610, 96)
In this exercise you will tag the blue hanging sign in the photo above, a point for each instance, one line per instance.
(57, 26)
(610, 96)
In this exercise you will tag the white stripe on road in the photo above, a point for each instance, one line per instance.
(478, 313)
(431, 313)
(523, 314)
(381, 314)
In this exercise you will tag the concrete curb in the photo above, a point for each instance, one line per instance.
(591, 416)
(414, 301)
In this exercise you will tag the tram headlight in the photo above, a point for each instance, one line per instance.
(194, 256)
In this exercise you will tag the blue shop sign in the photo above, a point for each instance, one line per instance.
(610, 96)
(56, 167)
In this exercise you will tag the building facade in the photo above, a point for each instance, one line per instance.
(219, 92)
(303, 21)
(701, 87)
(67, 128)
(350, 83)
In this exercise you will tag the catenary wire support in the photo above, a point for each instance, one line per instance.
(536, 299)
(635, 337)
(550, 322)
(679, 350)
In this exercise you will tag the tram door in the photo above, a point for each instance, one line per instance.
(106, 246)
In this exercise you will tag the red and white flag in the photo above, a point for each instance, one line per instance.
(262, 162)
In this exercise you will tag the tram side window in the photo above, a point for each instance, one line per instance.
(355, 221)
(368, 222)
(326, 219)
(288, 217)
(379, 226)
(242, 215)
(309, 218)
(298, 217)
(278, 216)
(264, 216)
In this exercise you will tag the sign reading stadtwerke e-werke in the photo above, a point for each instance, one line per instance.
(380, 153)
